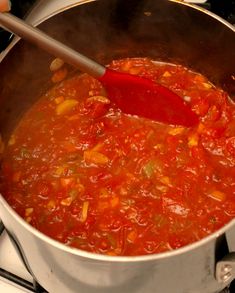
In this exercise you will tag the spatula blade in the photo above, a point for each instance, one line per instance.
(140, 96)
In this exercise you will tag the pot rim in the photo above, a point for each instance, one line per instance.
(101, 257)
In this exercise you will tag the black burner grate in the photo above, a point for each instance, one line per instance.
(33, 287)
(224, 8)
(17, 280)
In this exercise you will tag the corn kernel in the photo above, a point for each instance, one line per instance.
(193, 140)
(51, 205)
(56, 64)
(59, 100)
(176, 131)
(28, 212)
(165, 180)
(131, 237)
(59, 75)
(166, 74)
(95, 157)
(12, 140)
(67, 201)
(207, 85)
(66, 106)
(217, 195)
(84, 211)
(100, 99)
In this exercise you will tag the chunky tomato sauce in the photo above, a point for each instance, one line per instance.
(87, 175)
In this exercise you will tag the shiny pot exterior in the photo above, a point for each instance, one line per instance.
(108, 29)
(61, 269)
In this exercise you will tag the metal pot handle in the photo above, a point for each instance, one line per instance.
(225, 269)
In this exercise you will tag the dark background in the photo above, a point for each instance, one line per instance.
(19, 8)
(224, 8)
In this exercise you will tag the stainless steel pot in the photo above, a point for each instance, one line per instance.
(104, 30)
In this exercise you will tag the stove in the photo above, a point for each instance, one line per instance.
(14, 276)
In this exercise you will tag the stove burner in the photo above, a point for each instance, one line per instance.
(38, 288)
(17, 280)
(33, 287)
(225, 9)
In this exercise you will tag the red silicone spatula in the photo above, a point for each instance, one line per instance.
(132, 94)
(140, 96)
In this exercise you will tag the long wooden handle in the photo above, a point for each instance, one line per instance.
(47, 43)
